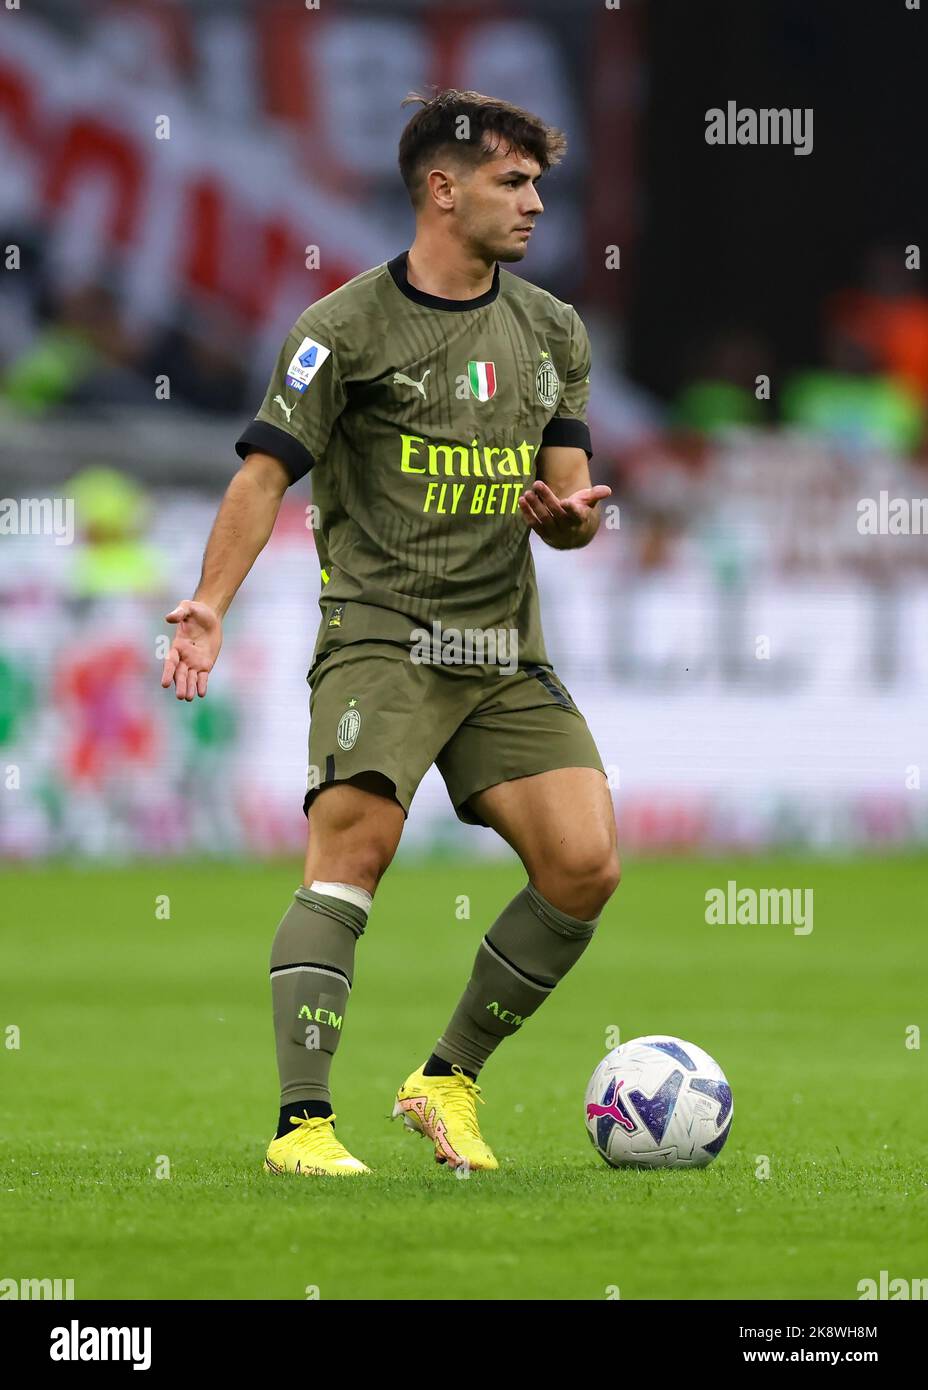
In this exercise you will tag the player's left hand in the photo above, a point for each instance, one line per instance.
(558, 520)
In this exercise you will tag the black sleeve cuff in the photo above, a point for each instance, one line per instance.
(568, 434)
(268, 439)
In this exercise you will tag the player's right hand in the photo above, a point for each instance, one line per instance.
(194, 650)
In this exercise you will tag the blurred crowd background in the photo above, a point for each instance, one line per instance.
(179, 180)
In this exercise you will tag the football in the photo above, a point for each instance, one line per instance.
(658, 1102)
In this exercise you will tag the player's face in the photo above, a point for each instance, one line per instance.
(498, 205)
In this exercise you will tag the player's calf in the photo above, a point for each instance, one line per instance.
(527, 951)
(353, 832)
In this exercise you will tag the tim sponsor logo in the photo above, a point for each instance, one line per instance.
(76, 1343)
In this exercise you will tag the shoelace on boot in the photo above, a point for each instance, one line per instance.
(318, 1142)
(458, 1096)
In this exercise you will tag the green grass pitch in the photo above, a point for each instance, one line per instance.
(142, 1038)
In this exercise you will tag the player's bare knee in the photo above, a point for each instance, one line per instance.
(353, 836)
(595, 891)
(613, 871)
(372, 859)
(581, 886)
(361, 867)
(358, 853)
(605, 871)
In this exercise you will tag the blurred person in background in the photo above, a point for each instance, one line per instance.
(871, 390)
(203, 357)
(114, 560)
(888, 316)
(82, 356)
(720, 389)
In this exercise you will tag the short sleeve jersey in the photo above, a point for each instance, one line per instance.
(422, 418)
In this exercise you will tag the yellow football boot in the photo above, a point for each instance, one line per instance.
(444, 1109)
(312, 1150)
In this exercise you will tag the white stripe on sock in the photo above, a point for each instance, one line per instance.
(359, 897)
(313, 970)
(514, 970)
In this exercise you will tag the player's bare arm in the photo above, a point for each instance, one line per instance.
(240, 532)
(562, 504)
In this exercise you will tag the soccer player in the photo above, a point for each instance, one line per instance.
(440, 402)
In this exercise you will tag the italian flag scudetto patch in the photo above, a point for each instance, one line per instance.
(482, 378)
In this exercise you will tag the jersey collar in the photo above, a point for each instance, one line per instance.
(397, 268)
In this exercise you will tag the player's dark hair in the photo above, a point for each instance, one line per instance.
(487, 125)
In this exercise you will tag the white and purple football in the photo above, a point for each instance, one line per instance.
(658, 1102)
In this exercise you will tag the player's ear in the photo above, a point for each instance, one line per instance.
(441, 190)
